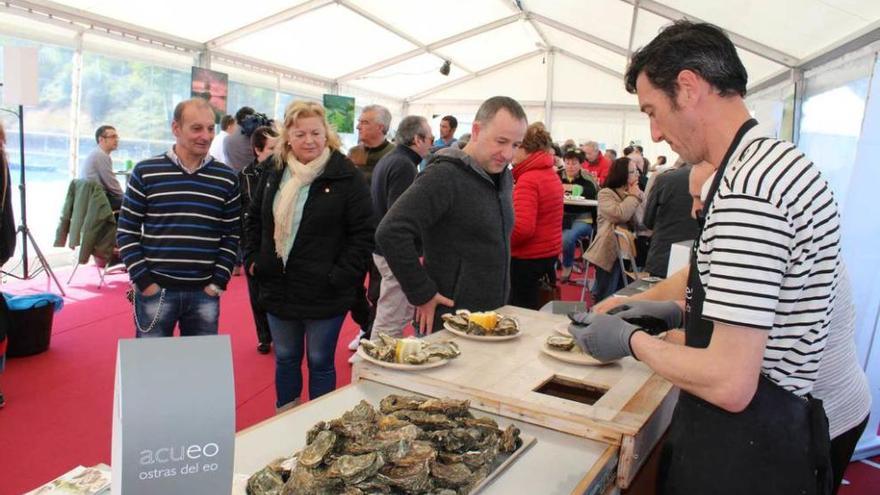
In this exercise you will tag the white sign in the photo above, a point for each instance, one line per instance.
(173, 416)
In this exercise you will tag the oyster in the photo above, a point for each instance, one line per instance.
(510, 440)
(353, 469)
(265, 482)
(449, 407)
(415, 478)
(315, 452)
(409, 350)
(560, 343)
(396, 402)
(450, 475)
(488, 323)
(305, 481)
(426, 420)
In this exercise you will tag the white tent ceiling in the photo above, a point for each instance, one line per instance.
(571, 51)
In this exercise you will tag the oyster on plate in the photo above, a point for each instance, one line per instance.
(562, 343)
(488, 323)
(409, 350)
(409, 445)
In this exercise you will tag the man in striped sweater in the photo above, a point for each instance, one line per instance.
(178, 230)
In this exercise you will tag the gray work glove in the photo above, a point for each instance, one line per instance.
(652, 316)
(605, 337)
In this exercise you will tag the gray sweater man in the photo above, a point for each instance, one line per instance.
(461, 208)
(98, 166)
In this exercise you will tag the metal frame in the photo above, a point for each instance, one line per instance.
(548, 100)
(577, 58)
(379, 22)
(739, 40)
(632, 29)
(267, 22)
(577, 33)
(429, 47)
(474, 75)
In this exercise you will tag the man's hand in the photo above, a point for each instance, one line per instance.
(605, 337)
(654, 316)
(425, 312)
(251, 269)
(608, 303)
(151, 290)
(211, 291)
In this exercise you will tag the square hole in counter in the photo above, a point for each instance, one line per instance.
(569, 389)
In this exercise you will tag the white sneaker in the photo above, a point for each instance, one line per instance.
(353, 345)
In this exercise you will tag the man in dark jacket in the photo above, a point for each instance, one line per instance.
(263, 142)
(667, 213)
(394, 173)
(461, 208)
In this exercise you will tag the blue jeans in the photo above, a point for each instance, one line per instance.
(194, 311)
(289, 337)
(578, 230)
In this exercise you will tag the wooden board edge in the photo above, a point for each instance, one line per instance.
(635, 450)
(600, 478)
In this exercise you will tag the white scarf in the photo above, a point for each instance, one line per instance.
(284, 210)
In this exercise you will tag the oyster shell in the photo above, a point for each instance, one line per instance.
(314, 453)
(489, 323)
(396, 402)
(409, 350)
(510, 440)
(560, 343)
(305, 481)
(449, 407)
(450, 475)
(353, 469)
(265, 482)
(507, 325)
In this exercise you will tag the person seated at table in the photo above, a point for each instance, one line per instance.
(618, 201)
(577, 221)
(537, 227)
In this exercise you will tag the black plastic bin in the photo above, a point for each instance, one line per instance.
(30, 331)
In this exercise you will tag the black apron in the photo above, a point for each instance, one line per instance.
(778, 445)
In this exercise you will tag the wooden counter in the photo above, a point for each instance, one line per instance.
(502, 378)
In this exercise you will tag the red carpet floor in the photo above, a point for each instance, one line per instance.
(59, 403)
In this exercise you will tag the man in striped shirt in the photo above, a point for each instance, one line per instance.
(178, 230)
(758, 293)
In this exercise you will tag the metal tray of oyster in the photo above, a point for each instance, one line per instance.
(407, 354)
(487, 326)
(409, 445)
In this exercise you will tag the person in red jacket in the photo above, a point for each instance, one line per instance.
(536, 240)
(596, 163)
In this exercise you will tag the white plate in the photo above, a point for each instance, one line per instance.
(401, 366)
(562, 328)
(574, 356)
(484, 338)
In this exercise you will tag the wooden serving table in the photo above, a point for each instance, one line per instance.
(624, 405)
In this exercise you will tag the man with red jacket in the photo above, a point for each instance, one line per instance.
(536, 240)
(596, 163)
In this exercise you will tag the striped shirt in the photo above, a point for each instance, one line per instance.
(769, 255)
(179, 229)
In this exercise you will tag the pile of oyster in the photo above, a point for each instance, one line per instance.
(409, 350)
(483, 324)
(411, 445)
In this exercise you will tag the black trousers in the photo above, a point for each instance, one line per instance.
(607, 283)
(261, 322)
(364, 310)
(842, 449)
(525, 280)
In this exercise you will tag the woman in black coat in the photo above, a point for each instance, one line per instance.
(309, 236)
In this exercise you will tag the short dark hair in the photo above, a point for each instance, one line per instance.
(226, 121)
(685, 45)
(243, 113)
(572, 154)
(261, 135)
(628, 150)
(618, 173)
(453, 122)
(613, 152)
(490, 107)
(100, 132)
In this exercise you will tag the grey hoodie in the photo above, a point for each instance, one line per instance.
(464, 223)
